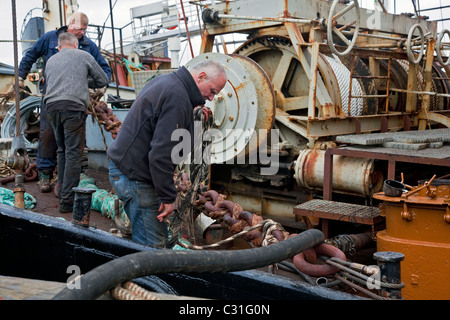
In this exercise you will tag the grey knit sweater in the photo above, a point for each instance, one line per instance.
(67, 74)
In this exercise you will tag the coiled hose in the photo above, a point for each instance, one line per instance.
(136, 265)
(27, 106)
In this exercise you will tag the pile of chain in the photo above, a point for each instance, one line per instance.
(194, 198)
(189, 186)
(103, 114)
(238, 221)
(30, 174)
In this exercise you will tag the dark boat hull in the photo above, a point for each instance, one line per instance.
(36, 246)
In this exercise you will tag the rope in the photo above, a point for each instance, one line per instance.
(268, 237)
(5, 171)
(131, 291)
(10, 95)
(30, 41)
(104, 202)
(268, 224)
(8, 127)
(188, 195)
(120, 293)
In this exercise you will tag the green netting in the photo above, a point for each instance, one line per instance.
(102, 200)
(7, 197)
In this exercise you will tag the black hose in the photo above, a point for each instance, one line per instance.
(107, 276)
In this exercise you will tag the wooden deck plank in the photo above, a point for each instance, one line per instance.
(13, 288)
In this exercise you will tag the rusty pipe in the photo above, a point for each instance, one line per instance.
(19, 192)
(211, 16)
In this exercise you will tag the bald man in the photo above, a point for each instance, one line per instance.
(141, 168)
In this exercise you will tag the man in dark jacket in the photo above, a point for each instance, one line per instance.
(141, 168)
(44, 48)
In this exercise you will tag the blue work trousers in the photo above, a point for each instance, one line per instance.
(141, 204)
(46, 151)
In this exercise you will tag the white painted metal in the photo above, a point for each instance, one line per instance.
(343, 77)
(235, 109)
(332, 29)
(410, 42)
(440, 46)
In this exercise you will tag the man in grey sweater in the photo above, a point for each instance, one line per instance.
(69, 75)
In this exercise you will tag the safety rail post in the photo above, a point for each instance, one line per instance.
(313, 80)
(390, 276)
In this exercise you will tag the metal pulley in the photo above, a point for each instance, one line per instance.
(410, 42)
(289, 76)
(440, 45)
(244, 106)
(332, 29)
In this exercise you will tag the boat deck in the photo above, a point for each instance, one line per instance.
(47, 203)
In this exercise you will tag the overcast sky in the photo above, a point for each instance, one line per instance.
(98, 11)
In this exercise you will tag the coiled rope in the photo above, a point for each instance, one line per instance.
(268, 226)
(131, 291)
(27, 106)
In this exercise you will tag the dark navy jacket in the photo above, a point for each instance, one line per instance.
(47, 46)
(143, 148)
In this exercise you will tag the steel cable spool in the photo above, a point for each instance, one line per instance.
(343, 76)
(246, 96)
(271, 52)
(436, 103)
(27, 106)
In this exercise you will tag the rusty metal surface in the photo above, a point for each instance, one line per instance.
(393, 28)
(290, 73)
(30, 239)
(427, 136)
(235, 109)
(439, 157)
(351, 175)
(339, 211)
(310, 9)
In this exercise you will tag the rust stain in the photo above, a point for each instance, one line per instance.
(286, 12)
(309, 166)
